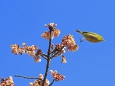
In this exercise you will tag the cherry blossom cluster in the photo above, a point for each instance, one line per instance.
(39, 81)
(54, 32)
(30, 50)
(69, 42)
(56, 75)
(7, 82)
(57, 49)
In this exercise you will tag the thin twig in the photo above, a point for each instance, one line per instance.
(52, 82)
(48, 60)
(56, 53)
(44, 56)
(52, 51)
(26, 77)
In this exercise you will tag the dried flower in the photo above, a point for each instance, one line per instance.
(59, 49)
(38, 53)
(46, 35)
(15, 48)
(73, 48)
(37, 59)
(31, 53)
(69, 42)
(40, 81)
(23, 44)
(31, 84)
(15, 51)
(56, 32)
(59, 46)
(7, 82)
(57, 76)
(30, 50)
(51, 24)
(41, 76)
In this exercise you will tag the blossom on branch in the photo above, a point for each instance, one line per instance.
(52, 33)
(51, 25)
(39, 81)
(69, 42)
(46, 35)
(7, 82)
(37, 56)
(56, 75)
(60, 49)
(15, 48)
(30, 50)
(56, 32)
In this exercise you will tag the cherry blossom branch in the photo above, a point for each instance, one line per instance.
(48, 59)
(53, 51)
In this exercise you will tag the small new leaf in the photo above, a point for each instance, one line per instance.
(63, 59)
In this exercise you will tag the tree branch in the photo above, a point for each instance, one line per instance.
(52, 82)
(48, 60)
(26, 77)
(56, 53)
(53, 51)
(44, 56)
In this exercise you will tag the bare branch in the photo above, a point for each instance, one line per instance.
(26, 77)
(44, 56)
(52, 82)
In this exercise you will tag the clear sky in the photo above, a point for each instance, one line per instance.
(23, 21)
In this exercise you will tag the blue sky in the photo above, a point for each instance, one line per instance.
(23, 21)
